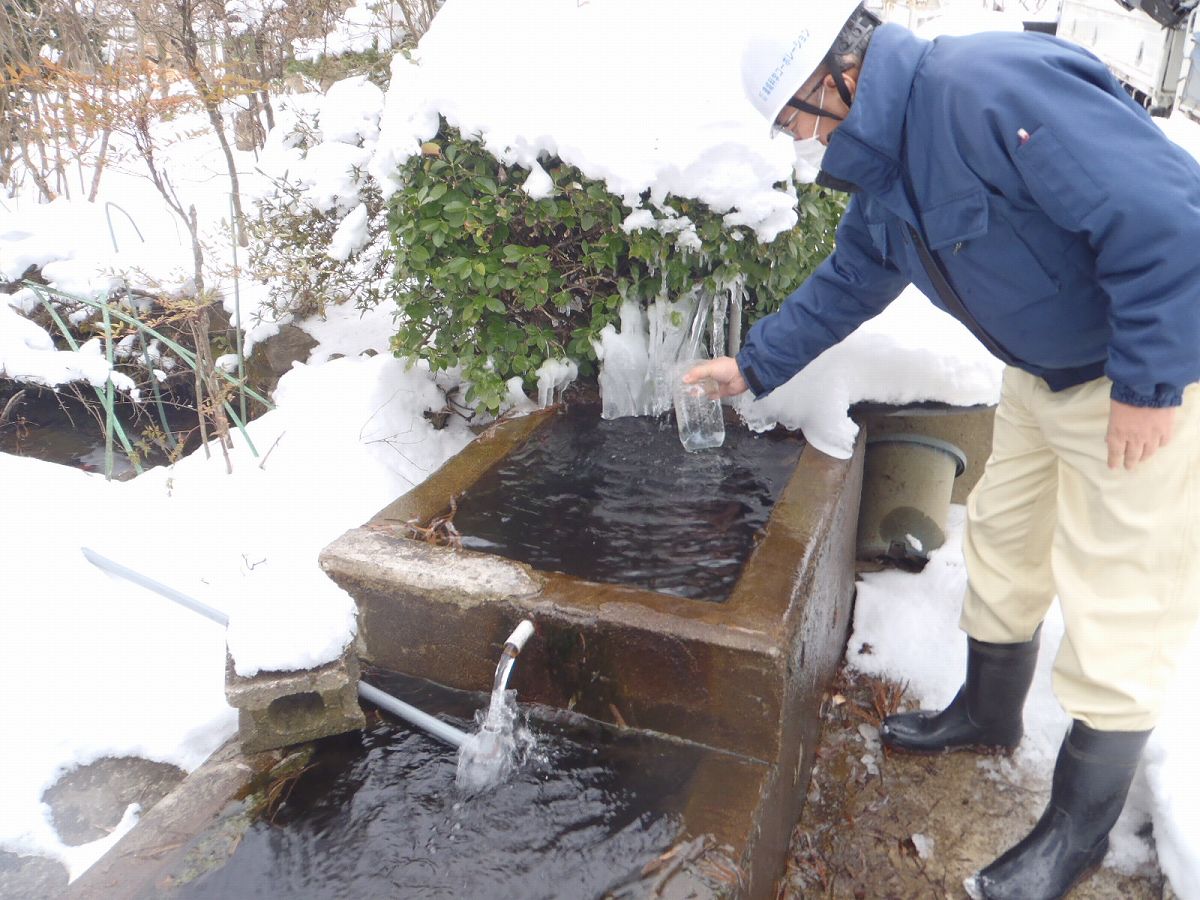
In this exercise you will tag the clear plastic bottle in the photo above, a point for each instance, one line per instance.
(697, 410)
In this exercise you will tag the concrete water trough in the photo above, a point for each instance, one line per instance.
(743, 677)
(719, 689)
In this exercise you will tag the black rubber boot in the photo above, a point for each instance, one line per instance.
(1091, 779)
(986, 711)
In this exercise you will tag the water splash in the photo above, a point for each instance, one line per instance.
(502, 742)
(378, 814)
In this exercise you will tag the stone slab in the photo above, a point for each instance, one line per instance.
(88, 802)
(24, 877)
(135, 868)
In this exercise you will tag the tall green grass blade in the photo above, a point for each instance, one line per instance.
(186, 355)
(182, 352)
(104, 396)
(109, 410)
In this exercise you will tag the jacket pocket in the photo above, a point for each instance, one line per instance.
(1061, 186)
(952, 222)
(997, 274)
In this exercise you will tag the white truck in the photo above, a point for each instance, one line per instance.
(1146, 43)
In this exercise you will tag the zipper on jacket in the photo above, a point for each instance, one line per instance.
(937, 275)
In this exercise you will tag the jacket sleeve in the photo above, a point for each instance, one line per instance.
(1097, 165)
(850, 286)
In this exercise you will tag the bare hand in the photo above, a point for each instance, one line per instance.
(724, 371)
(1136, 432)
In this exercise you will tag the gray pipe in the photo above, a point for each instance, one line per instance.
(436, 727)
(150, 584)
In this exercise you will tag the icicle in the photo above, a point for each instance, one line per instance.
(737, 300)
(668, 343)
(623, 364)
(719, 304)
(553, 376)
(636, 364)
(699, 320)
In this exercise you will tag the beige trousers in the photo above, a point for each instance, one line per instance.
(1120, 549)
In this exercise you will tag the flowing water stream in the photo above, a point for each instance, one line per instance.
(488, 755)
(378, 814)
(59, 429)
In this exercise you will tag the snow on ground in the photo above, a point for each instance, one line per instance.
(94, 667)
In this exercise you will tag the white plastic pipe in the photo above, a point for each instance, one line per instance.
(150, 584)
(436, 727)
(520, 635)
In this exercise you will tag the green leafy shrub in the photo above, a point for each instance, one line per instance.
(495, 281)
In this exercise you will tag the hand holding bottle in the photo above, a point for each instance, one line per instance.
(723, 371)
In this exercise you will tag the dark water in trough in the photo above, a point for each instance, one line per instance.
(378, 815)
(622, 502)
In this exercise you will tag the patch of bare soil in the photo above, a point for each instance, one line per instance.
(898, 826)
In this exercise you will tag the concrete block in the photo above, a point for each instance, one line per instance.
(276, 709)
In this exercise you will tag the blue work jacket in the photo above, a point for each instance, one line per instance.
(1068, 224)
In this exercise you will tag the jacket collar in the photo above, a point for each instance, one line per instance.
(865, 150)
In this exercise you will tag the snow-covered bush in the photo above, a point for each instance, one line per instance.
(294, 252)
(499, 268)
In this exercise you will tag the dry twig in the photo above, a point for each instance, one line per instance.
(886, 697)
(440, 531)
(13, 402)
(280, 790)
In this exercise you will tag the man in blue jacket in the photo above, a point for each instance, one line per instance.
(1011, 178)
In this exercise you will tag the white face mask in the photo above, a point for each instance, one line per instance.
(810, 152)
(809, 155)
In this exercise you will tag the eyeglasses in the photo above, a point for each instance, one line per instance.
(805, 107)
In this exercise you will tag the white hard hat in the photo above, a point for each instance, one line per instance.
(786, 45)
